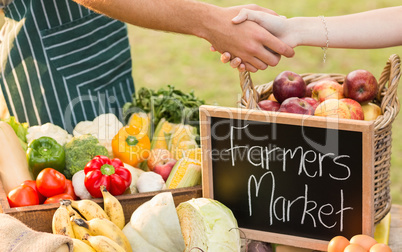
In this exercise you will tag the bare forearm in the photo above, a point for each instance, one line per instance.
(206, 21)
(372, 29)
(181, 16)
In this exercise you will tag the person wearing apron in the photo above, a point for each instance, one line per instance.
(63, 63)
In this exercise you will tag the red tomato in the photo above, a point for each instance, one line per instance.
(70, 189)
(22, 195)
(32, 184)
(56, 198)
(50, 182)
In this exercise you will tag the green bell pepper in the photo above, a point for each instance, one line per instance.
(45, 152)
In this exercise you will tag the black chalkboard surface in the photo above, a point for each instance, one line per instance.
(289, 179)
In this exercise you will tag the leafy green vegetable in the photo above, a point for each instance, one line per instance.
(172, 104)
(209, 225)
(21, 129)
(79, 151)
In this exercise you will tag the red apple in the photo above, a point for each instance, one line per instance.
(288, 84)
(333, 108)
(356, 111)
(327, 89)
(297, 106)
(313, 102)
(371, 111)
(164, 167)
(269, 105)
(360, 85)
(157, 156)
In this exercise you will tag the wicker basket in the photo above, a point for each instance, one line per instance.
(388, 100)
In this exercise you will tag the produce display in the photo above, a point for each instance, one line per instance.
(155, 148)
(354, 99)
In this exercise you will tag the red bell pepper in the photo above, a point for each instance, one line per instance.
(108, 172)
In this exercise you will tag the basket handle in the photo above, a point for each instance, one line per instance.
(249, 93)
(390, 74)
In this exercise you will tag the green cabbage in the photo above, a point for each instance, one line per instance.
(209, 225)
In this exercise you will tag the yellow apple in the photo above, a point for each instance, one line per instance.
(371, 111)
(333, 108)
(327, 89)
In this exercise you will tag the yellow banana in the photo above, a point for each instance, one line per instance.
(70, 209)
(79, 231)
(61, 222)
(105, 227)
(113, 208)
(104, 244)
(81, 246)
(89, 209)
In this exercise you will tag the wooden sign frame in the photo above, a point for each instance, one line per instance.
(366, 128)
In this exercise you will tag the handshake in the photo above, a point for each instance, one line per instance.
(278, 42)
(280, 34)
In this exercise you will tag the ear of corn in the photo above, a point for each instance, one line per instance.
(182, 148)
(182, 133)
(185, 173)
(193, 153)
(162, 135)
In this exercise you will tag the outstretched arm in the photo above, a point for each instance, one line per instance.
(206, 21)
(378, 28)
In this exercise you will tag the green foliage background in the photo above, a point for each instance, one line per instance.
(184, 61)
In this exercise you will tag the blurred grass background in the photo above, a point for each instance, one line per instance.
(161, 58)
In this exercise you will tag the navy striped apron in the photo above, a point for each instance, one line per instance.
(62, 63)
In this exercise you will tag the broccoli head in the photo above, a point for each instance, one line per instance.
(79, 151)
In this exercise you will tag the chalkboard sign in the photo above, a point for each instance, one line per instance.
(289, 179)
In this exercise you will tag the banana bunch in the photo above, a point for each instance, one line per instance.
(91, 227)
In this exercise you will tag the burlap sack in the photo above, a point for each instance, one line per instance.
(15, 236)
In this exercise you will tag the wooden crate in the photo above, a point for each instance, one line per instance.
(39, 217)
